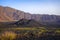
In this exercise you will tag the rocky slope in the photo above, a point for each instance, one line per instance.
(11, 14)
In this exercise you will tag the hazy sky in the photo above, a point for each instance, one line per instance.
(34, 6)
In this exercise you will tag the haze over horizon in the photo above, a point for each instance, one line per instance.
(34, 6)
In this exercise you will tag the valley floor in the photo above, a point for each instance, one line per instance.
(29, 33)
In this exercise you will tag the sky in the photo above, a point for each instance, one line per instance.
(34, 6)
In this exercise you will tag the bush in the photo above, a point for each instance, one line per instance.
(8, 35)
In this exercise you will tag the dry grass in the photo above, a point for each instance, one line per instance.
(10, 33)
(7, 35)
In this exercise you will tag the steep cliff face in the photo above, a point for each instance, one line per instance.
(27, 16)
(10, 14)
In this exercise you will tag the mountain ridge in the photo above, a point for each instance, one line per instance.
(11, 14)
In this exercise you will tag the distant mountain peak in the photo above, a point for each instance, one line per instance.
(11, 14)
